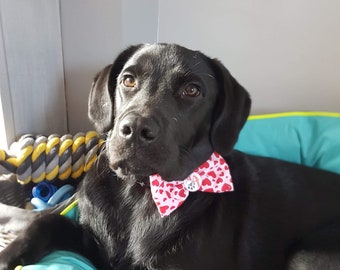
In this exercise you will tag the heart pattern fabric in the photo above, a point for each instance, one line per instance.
(212, 176)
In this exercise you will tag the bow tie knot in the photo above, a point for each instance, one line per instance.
(212, 176)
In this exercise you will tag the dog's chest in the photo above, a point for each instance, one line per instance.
(149, 234)
(127, 224)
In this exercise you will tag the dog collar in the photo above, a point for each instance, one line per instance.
(212, 176)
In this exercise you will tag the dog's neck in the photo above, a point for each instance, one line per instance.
(143, 182)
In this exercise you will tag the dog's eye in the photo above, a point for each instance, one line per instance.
(129, 81)
(191, 90)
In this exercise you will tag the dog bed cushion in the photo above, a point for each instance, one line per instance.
(308, 138)
(60, 260)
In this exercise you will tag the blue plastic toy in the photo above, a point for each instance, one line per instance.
(46, 195)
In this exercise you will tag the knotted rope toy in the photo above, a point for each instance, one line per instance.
(35, 158)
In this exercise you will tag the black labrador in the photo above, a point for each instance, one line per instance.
(166, 110)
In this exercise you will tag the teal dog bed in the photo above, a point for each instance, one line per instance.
(60, 260)
(308, 138)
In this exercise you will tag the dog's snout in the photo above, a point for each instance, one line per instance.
(142, 129)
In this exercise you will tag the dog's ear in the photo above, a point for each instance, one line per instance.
(231, 110)
(101, 99)
(100, 104)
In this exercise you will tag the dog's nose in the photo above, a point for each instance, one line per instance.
(139, 128)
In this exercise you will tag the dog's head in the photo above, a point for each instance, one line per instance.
(165, 109)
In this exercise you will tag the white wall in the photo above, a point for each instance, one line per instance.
(31, 68)
(139, 21)
(93, 33)
(7, 129)
(91, 36)
(286, 53)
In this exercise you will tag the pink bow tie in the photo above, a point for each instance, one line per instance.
(212, 176)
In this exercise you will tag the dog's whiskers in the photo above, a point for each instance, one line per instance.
(101, 170)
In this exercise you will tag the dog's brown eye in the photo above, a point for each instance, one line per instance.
(129, 81)
(191, 90)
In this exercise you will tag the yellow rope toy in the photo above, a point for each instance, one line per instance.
(35, 158)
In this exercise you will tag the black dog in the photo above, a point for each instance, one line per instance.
(166, 110)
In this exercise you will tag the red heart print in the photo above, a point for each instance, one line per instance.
(163, 209)
(155, 183)
(205, 164)
(212, 174)
(206, 182)
(226, 187)
(182, 193)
